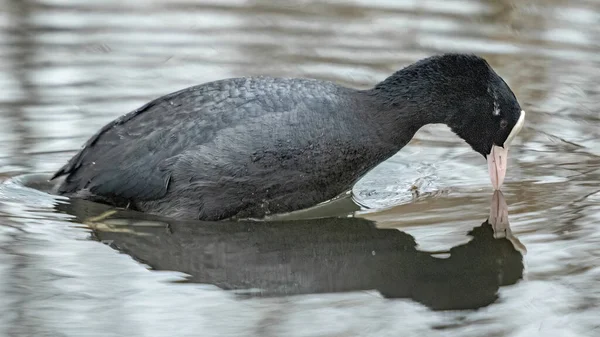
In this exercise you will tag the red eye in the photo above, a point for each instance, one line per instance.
(503, 123)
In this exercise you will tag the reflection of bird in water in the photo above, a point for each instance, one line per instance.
(318, 256)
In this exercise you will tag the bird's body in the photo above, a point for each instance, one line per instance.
(248, 147)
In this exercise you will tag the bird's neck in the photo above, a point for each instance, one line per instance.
(405, 103)
(418, 96)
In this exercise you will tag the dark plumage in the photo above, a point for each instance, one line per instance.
(247, 147)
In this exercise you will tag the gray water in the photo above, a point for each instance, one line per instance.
(424, 257)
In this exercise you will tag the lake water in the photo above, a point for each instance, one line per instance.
(428, 254)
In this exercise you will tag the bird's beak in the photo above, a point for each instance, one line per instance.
(498, 158)
(497, 165)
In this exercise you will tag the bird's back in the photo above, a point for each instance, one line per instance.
(133, 157)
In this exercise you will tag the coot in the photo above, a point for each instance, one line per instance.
(249, 147)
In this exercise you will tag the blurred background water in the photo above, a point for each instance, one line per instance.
(423, 260)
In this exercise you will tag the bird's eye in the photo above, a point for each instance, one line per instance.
(503, 123)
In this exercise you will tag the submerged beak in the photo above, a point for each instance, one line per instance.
(498, 158)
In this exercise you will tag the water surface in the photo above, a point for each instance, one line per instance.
(423, 260)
